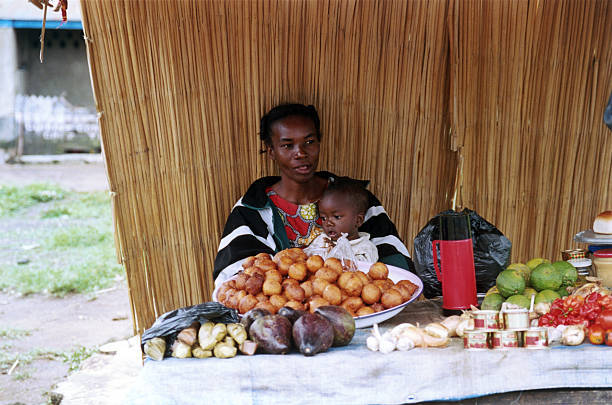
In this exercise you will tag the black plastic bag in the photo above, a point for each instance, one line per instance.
(171, 323)
(491, 253)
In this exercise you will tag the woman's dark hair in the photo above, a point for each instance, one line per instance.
(286, 110)
(355, 189)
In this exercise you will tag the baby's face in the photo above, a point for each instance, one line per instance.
(339, 216)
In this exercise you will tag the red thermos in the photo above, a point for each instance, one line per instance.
(454, 262)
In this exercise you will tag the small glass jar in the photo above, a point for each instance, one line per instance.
(602, 259)
(583, 266)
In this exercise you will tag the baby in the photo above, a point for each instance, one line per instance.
(342, 210)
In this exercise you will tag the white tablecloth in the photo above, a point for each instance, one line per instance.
(355, 375)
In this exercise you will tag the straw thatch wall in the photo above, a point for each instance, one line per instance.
(406, 89)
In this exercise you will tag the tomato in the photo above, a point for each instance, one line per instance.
(605, 319)
(608, 337)
(596, 334)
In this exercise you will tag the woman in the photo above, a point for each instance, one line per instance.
(277, 213)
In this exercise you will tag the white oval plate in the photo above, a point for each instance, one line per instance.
(395, 274)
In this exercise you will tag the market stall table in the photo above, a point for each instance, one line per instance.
(355, 375)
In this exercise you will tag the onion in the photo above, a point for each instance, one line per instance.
(451, 323)
(465, 324)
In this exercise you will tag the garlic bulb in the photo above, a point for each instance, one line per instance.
(372, 343)
(465, 324)
(573, 335)
(451, 324)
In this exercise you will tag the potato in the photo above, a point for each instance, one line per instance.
(314, 263)
(391, 298)
(332, 294)
(378, 271)
(272, 287)
(371, 293)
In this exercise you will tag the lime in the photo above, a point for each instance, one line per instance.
(567, 271)
(509, 282)
(519, 300)
(546, 296)
(492, 301)
(535, 262)
(521, 269)
(546, 277)
(563, 292)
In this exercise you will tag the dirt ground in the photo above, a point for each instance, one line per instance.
(59, 325)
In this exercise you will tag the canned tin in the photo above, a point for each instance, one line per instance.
(475, 340)
(583, 266)
(505, 339)
(516, 319)
(535, 338)
(486, 320)
(573, 254)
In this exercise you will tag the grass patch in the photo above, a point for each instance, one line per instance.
(75, 250)
(13, 333)
(7, 359)
(14, 199)
(75, 358)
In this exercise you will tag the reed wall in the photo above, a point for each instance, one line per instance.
(407, 90)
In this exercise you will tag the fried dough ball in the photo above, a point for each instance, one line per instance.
(283, 265)
(296, 305)
(327, 274)
(314, 263)
(391, 298)
(371, 293)
(247, 303)
(365, 279)
(272, 287)
(254, 285)
(266, 305)
(222, 291)
(251, 271)
(354, 286)
(262, 255)
(384, 285)
(261, 297)
(365, 310)
(289, 281)
(274, 275)
(248, 262)
(234, 300)
(298, 271)
(265, 264)
(332, 294)
(377, 307)
(343, 294)
(409, 285)
(295, 293)
(352, 304)
(297, 254)
(278, 301)
(318, 285)
(403, 290)
(241, 280)
(316, 303)
(378, 271)
(231, 283)
(344, 278)
(308, 289)
(334, 263)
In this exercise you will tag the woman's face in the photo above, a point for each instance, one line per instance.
(295, 147)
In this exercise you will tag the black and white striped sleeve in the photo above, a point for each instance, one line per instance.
(247, 232)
